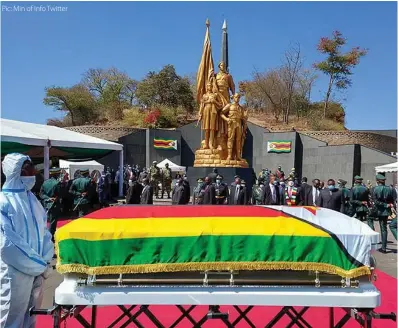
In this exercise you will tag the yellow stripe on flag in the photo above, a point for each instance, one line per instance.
(106, 229)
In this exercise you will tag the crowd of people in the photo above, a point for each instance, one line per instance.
(364, 202)
(27, 246)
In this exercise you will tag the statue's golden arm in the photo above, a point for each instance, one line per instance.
(224, 111)
(231, 84)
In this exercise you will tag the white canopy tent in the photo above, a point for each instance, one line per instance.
(174, 167)
(72, 167)
(392, 167)
(15, 135)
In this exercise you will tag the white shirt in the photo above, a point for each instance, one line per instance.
(273, 192)
(315, 194)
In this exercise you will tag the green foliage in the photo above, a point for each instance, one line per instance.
(165, 88)
(77, 102)
(338, 65)
(134, 117)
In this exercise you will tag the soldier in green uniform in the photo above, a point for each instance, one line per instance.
(155, 176)
(221, 191)
(258, 193)
(80, 190)
(359, 201)
(167, 178)
(383, 199)
(263, 175)
(50, 195)
(198, 192)
(346, 196)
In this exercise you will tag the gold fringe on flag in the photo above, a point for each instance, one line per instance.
(175, 267)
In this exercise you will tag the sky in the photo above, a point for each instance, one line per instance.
(45, 48)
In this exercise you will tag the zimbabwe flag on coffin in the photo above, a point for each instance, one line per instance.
(165, 144)
(279, 146)
(131, 239)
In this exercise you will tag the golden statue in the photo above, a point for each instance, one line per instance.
(224, 132)
(208, 115)
(225, 83)
(236, 119)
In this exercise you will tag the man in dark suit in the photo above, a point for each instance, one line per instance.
(179, 193)
(147, 193)
(238, 194)
(134, 192)
(209, 193)
(187, 189)
(271, 192)
(310, 194)
(213, 175)
(331, 197)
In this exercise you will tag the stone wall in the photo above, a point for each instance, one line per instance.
(377, 141)
(111, 133)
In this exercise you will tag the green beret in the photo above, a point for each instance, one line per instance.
(380, 177)
(357, 177)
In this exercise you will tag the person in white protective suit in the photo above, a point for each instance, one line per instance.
(25, 245)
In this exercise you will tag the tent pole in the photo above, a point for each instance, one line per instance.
(121, 173)
(46, 162)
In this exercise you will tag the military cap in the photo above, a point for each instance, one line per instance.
(236, 177)
(243, 182)
(219, 177)
(341, 181)
(199, 180)
(84, 171)
(55, 170)
(154, 162)
(380, 177)
(290, 178)
(357, 177)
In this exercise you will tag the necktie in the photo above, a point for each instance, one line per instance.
(273, 193)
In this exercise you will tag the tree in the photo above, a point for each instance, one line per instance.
(165, 88)
(338, 65)
(289, 74)
(114, 90)
(77, 102)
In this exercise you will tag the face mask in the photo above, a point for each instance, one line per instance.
(331, 187)
(290, 183)
(218, 181)
(28, 182)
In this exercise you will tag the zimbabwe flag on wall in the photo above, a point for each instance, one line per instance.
(279, 146)
(165, 144)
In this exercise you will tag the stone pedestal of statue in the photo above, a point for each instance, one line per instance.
(216, 158)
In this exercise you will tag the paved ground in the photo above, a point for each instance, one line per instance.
(385, 262)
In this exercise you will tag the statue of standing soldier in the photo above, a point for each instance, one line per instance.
(167, 179)
(155, 177)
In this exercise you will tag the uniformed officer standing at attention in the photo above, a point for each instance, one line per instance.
(50, 195)
(341, 184)
(359, 200)
(198, 192)
(80, 190)
(258, 192)
(383, 202)
(221, 191)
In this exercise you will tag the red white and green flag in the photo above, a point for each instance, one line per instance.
(165, 144)
(279, 146)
